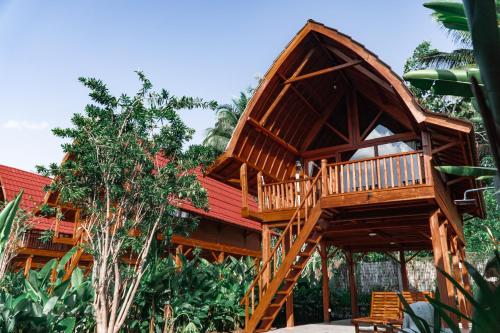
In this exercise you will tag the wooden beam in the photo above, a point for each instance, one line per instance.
(290, 316)
(244, 186)
(444, 234)
(371, 125)
(285, 89)
(211, 246)
(321, 121)
(266, 253)
(330, 151)
(362, 69)
(271, 135)
(324, 71)
(445, 146)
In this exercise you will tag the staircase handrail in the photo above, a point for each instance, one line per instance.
(280, 239)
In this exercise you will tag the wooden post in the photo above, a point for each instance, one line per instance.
(220, 257)
(27, 266)
(444, 234)
(259, 190)
(266, 252)
(244, 189)
(352, 284)
(465, 277)
(457, 275)
(324, 179)
(325, 280)
(439, 257)
(289, 312)
(427, 151)
(178, 261)
(404, 272)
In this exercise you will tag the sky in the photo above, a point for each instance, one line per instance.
(208, 49)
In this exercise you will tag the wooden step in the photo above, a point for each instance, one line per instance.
(282, 292)
(297, 267)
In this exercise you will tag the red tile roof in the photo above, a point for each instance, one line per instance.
(224, 200)
(13, 180)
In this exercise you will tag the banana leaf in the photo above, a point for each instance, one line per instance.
(7, 217)
(454, 82)
(467, 171)
(450, 14)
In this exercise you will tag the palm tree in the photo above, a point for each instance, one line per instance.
(449, 16)
(227, 117)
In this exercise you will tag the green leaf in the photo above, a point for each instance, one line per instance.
(455, 82)
(67, 325)
(47, 308)
(467, 171)
(76, 278)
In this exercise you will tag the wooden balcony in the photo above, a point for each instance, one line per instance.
(372, 180)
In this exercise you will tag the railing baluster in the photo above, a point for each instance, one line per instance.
(398, 170)
(372, 174)
(392, 171)
(420, 178)
(366, 176)
(342, 178)
(412, 166)
(348, 166)
(360, 177)
(407, 178)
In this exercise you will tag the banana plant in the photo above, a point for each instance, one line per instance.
(7, 217)
(485, 306)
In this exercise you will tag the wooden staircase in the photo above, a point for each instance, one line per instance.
(279, 273)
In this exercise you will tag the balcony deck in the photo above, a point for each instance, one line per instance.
(387, 181)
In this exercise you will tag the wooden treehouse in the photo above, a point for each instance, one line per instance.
(335, 151)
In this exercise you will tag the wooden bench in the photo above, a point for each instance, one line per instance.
(386, 309)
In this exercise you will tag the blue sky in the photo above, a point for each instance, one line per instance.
(209, 49)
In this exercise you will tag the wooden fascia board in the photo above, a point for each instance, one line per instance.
(211, 246)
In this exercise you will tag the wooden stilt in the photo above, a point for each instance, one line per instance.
(439, 257)
(465, 277)
(325, 280)
(289, 312)
(404, 272)
(27, 266)
(457, 275)
(266, 251)
(444, 234)
(178, 252)
(352, 284)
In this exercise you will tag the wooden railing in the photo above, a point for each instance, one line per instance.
(370, 174)
(269, 269)
(398, 170)
(285, 195)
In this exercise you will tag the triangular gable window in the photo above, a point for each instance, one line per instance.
(381, 131)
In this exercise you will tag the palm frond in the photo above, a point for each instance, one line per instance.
(455, 59)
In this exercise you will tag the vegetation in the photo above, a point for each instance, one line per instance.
(117, 173)
(10, 228)
(486, 306)
(227, 118)
(43, 302)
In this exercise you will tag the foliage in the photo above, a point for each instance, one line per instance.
(127, 168)
(11, 228)
(200, 295)
(227, 118)
(44, 302)
(486, 306)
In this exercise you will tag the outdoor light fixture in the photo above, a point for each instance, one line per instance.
(470, 201)
(392, 243)
(372, 234)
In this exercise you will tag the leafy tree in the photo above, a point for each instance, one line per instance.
(117, 174)
(227, 118)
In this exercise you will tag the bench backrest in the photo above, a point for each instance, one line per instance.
(386, 305)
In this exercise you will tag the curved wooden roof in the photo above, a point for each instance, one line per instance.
(300, 100)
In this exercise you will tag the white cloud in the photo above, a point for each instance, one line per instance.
(25, 125)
